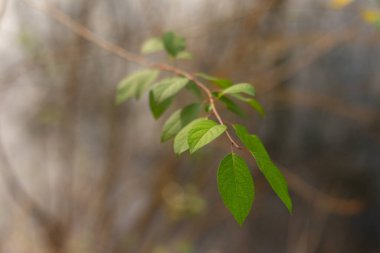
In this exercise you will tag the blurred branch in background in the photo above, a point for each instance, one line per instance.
(92, 181)
(363, 115)
(270, 78)
(3, 6)
(51, 228)
(320, 200)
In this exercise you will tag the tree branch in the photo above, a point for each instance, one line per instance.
(90, 36)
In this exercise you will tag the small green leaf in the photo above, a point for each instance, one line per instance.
(272, 174)
(180, 140)
(173, 43)
(178, 120)
(202, 133)
(135, 85)
(239, 88)
(158, 109)
(208, 108)
(235, 185)
(152, 45)
(222, 83)
(194, 88)
(231, 105)
(253, 103)
(257, 106)
(168, 87)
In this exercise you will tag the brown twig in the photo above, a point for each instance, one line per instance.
(85, 33)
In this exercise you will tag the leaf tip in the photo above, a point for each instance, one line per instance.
(240, 221)
(289, 206)
(192, 150)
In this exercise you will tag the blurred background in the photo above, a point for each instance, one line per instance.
(79, 174)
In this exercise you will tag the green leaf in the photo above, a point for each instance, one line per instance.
(235, 185)
(202, 133)
(231, 105)
(178, 120)
(158, 109)
(173, 43)
(253, 103)
(168, 87)
(180, 140)
(135, 85)
(239, 88)
(208, 108)
(272, 174)
(257, 106)
(194, 88)
(222, 83)
(152, 45)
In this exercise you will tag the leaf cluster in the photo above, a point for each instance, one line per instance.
(192, 128)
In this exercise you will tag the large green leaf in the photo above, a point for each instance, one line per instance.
(245, 88)
(168, 87)
(135, 85)
(152, 45)
(222, 83)
(267, 167)
(235, 185)
(202, 133)
(158, 109)
(178, 120)
(173, 43)
(180, 140)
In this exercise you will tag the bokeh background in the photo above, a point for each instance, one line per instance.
(79, 174)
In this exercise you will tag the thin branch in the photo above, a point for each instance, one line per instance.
(85, 33)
